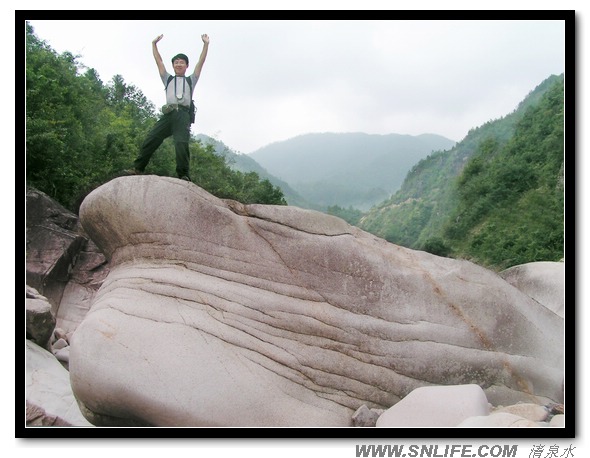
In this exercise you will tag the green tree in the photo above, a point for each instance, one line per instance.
(511, 196)
(351, 215)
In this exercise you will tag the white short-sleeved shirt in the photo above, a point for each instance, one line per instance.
(181, 87)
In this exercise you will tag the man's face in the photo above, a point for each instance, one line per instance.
(179, 67)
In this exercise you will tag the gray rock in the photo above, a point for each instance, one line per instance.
(86, 277)
(39, 319)
(543, 281)
(364, 417)
(63, 356)
(61, 263)
(558, 421)
(52, 245)
(498, 420)
(59, 344)
(290, 310)
(36, 416)
(59, 333)
(49, 396)
(436, 406)
(530, 411)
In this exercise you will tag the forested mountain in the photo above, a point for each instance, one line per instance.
(245, 164)
(81, 132)
(496, 197)
(347, 169)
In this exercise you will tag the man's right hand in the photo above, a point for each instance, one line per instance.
(158, 38)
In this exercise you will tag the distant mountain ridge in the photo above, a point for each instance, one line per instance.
(347, 169)
(245, 164)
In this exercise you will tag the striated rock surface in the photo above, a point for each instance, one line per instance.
(52, 244)
(543, 281)
(61, 263)
(218, 314)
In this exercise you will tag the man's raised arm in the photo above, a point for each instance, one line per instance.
(203, 55)
(157, 56)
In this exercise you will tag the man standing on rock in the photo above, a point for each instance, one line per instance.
(176, 119)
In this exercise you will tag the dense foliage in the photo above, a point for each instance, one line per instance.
(81, 133)
(351, 215)
(497, 197)
(511, 197)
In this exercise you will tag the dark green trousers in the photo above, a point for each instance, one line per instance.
(176, 124)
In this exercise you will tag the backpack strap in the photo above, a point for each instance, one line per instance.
(193, 107)
(188, 80)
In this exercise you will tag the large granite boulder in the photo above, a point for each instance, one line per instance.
(219, 314)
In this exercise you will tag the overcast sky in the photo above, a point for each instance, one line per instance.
(270, 80)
